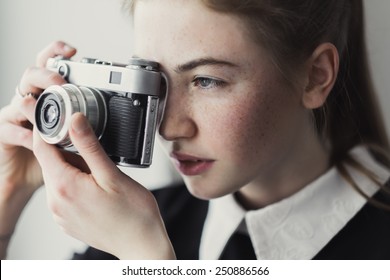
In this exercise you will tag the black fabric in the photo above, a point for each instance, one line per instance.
(184, 216)
(93, 254)
(366, 235)
(239, 247)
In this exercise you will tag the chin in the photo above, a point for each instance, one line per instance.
(204, 191)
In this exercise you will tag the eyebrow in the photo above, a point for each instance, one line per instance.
(188, 66)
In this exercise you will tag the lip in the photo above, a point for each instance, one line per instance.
(191, 165)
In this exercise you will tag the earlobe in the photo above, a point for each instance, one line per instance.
(322, 72)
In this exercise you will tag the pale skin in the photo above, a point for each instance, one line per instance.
(227, 106)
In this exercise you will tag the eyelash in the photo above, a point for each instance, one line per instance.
(214, 83)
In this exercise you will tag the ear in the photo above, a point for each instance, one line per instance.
(322, 69)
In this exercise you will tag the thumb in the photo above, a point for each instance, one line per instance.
(84, 139)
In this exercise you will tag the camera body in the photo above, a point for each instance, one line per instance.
(123, 103)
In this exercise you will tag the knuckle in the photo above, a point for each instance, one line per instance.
(27, 77)
(26, 103)
(46, 52)
(92, 147)
(63, 190)
(28, 71)
(58, 44)
(25, 136)
(54, 78)
(111, 181)
(53, 49)
(54, 208)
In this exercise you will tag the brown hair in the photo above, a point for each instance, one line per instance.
(290, 31)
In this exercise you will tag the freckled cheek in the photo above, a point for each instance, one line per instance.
(240, 132)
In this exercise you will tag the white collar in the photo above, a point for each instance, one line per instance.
(299, 226)
(223, 218)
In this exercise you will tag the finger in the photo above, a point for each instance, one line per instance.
(11, 114)
(19, 111)
(35, 80)
(63, 179)
(86, 143)
(15, 135)
(57, 172)
(27, 108)
(54, 49)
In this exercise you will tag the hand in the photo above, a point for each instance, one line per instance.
(20, 173)
(98, 204)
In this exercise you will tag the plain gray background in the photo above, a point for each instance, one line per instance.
(98, 28)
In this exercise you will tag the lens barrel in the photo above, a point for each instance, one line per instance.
(57, 104)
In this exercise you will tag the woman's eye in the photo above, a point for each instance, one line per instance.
(207, 82)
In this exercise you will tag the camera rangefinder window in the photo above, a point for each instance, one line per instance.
(116, 77)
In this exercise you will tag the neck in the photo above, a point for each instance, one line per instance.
(299, 168)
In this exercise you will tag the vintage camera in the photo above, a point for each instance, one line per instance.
(123, 103)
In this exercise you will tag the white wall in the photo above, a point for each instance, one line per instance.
(378, 34)
(99, 29)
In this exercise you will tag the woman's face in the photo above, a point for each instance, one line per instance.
(230, 119)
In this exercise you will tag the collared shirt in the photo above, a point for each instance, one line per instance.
(299, 226)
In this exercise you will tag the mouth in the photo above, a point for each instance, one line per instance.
(191, 165)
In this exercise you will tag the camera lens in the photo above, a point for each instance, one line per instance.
(57, 104)
(50, 114)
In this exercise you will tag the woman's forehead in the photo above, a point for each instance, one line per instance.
(183, 28)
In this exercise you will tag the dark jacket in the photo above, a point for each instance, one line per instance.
(366, 235)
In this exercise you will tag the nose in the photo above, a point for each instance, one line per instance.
(178, 122)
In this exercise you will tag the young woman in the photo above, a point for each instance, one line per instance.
(270, 118)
